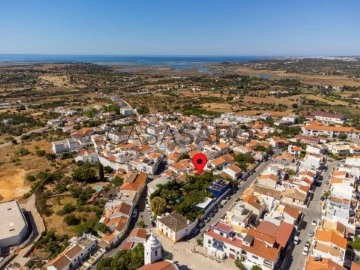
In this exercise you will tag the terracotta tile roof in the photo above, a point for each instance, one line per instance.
(223, 226)
(109, 237)
(328, 249)
(331, 128)
(281, 233)
(336, 180)
(75, 250)
(193, 153)
(222, 145)
(235, 168)
(121, 224)
(331, 237)
(267, 191)
(60, 262)
(268, 176)
(130, 186)
(231, 241)
(324, 264)
(260, 249)
(174, 221)
(218, 161)
(141, 233)
(163, 265)
(355, 266)
(264, 237)
(326, 114)
(291, 211)
(127, 245)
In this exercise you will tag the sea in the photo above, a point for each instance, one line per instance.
(174, 62)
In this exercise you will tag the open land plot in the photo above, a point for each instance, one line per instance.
(304, 78)
(55, 222)
(13, 169)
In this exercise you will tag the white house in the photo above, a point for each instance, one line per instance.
(175, 226)
(65, 146)
(73, 256)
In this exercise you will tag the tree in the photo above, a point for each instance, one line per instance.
(101, 171)
(108, 169)
(342, 136)
(67, 209)
(141, 223)
(40, 153)
(158, 205)
(355, 244)
(143, 110)
(71, 220)
(124, 259)
(23, 151)
(30, 178)
(239, 265)
(256, 267)
(84, 173)
(117, 181)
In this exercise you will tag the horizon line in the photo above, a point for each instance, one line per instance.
(185, 55)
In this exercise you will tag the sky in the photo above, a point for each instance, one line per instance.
(181, 27)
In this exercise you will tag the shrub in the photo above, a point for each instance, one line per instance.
(71, 220)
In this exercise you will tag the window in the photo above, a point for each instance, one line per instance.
(268, 263)
(209, 241)
(156, 252)
(232, 250)
(255, 257)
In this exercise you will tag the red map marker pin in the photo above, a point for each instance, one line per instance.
(199, 161)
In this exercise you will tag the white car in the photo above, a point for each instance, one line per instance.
(314, 222)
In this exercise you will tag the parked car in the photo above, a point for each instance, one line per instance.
(201, 225)
(311, 233)
(317, 258)
(135, 212)
(196, 230)
(207, 219)
(296, 240)
(314, 222)
(212, 214)
(305, 251)
(216, 210)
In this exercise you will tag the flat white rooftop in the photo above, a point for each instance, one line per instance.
(12, 219)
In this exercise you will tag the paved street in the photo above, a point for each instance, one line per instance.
(294, 259)
(190, 259)
(244, 185)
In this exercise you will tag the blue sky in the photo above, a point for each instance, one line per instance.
(183, 27)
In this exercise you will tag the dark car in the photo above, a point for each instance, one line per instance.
(196, 230)
(212, 214)
(201, 225)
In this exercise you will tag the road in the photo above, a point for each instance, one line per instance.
(18, 138)
(294, 260)
(243, 185)
(144, 213)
